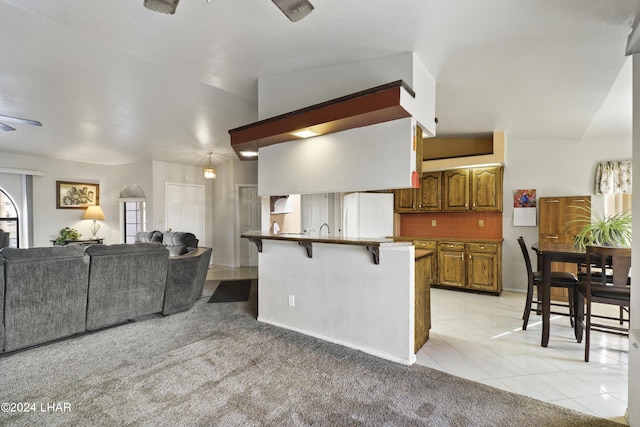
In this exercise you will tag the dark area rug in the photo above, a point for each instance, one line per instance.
(232, 291)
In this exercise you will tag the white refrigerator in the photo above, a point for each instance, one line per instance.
(367, 215)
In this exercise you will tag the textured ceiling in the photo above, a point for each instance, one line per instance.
(113, 82)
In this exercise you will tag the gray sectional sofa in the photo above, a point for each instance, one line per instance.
(56, 292)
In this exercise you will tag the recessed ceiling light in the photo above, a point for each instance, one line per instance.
(249, 153)
(305, 133)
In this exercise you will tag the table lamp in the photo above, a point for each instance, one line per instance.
(94, 213)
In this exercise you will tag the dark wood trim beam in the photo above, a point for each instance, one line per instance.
(368, 107)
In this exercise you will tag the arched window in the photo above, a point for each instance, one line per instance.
(9, 219)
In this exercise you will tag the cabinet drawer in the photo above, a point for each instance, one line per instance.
(451, 246)
(489, 248)
(425, 244)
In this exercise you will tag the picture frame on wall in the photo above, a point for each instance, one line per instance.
(76, 195)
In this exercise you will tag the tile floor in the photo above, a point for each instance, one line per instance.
(480, 337)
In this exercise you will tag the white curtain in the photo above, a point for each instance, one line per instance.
(613, 177)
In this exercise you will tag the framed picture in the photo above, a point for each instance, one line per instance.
(76, 195)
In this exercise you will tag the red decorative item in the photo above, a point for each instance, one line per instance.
(415, 180)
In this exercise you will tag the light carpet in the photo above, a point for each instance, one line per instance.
(215, 365)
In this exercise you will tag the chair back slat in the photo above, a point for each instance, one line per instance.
(609, 257)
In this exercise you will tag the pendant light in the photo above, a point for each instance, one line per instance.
(210, 172)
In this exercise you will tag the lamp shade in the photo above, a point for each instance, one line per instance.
(93, 212)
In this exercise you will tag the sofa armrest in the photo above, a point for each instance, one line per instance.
(186, 276)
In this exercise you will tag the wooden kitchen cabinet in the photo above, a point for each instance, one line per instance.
(477, 189)
(423, 280)
(483, 261)
(471, 265)
(557, 225)
(486, 189)
(426, 198)
(405, 200)
(452, 264)
(430, 192)
(431, 245)
(455, 190)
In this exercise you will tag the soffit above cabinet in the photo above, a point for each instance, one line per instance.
(372, 106)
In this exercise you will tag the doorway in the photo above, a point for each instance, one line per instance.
(250, 212)
(184, 209)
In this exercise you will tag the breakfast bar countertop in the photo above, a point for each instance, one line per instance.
(301, 237)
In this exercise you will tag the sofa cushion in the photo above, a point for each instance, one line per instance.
(180, 238)
(45, 294)
(126, 281)
(149, 236)
(179, 242)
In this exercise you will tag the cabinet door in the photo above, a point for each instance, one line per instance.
(422, 301)
(551, 219)
(486, 189)
(575, 211)
(451, 264)
(431, 245)
(482, 267)
(430, 192)
(455, 188)
(405, 200)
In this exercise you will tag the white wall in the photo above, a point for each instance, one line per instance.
(634, 352)
(47, 219)
(231, 175)
(553, 168)
(341, 296)
(220, 210)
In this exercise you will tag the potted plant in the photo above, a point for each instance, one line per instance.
(67, 234)
(602, 230)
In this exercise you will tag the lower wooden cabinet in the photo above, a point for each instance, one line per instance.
(423, 279)
(470, 265)
(452, 265)
(484, 267)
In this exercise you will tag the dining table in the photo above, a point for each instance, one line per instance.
(548, 253)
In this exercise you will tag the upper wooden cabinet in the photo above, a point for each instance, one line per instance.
(430, 195)
(426, 198)
(456, 190)
(486, 189)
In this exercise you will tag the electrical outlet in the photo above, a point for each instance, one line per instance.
(433, 222)
(481, 222)
(292, 301)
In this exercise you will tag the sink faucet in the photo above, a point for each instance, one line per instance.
(328, 231)
(309, 231)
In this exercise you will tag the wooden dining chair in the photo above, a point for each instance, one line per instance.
(559, 279)
(596, 288)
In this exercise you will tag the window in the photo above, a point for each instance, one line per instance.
(9, 219)
(134, 220)
(617, 203)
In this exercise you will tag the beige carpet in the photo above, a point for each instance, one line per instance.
(215, 365)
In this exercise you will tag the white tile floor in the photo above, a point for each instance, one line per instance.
(480, 337)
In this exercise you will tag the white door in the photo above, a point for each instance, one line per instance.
(315, 212)
(249, 221)
(184, 209)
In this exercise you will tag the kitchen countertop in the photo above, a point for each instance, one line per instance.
(446, 239)
(301, 237)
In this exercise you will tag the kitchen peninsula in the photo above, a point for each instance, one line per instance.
(359, 293)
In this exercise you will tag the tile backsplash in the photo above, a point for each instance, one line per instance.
(480, 225)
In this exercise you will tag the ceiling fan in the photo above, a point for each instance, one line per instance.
(16, 120)
(295, 10)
